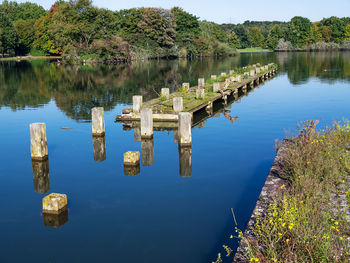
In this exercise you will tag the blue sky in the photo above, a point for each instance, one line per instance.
(236, 11)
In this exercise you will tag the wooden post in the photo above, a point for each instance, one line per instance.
(41, 176)
(54, 203)
(38, 141)
(146, 123)
(216, 86)
(201, 83)
(186, 86)
(257, 70)
(223, 74)
(200, 93)
(98, 121)
(165, 93)
(136, 103)
(147, 152)
(131, 161)
(238, 78)
(232, 72)
(185, 125)
(99, 144)
(178, 104)
(252, 72)
(213, 76)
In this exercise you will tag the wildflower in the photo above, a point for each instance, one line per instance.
(283, 224)
(287, 240)
(254, 260)
(336, 223)
(280, 234)
(231, 236)
(341, 238)
(282, 186)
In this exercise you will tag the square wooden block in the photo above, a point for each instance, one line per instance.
(54, 203)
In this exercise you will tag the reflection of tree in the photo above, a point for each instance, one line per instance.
(77, 89)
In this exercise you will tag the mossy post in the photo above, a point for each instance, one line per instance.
(257, 70)
(38, 142)
(54, 203)
(213, 76)
(252, 73)
(165, 93)
(186, 86)
(238, 78)
(223, 74)
(201, 83)
(216, 86)
(98, 121)
(200, 93)
(185, 126)
(231, 72)
(146, 123)
(178, 104)
(131, 162)
(136, 103)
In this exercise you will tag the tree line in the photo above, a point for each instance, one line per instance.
(297, 34)
(77, 30)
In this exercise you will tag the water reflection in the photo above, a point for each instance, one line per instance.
(147, 152)
(132, 170)
(78, 89)
(185, 161)
(55, 220)
(41, 177)
(99, 143)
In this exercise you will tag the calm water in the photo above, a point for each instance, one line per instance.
(158, 215)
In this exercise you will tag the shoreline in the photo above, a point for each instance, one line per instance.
(26, 58)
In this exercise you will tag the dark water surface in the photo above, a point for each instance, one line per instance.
(158, 215)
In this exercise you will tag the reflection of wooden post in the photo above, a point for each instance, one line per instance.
(99, 143)
(56, 221)
(147, 152)
(216, 86)
(165, 93)
(146, 123)
(185, 86)
(185, 125)
(136, 103)
(38, 141)
(185, 161)
(137, 134)
(176, 135)
(41, 176)
(98, 121)
(201, 83)
(178, 104)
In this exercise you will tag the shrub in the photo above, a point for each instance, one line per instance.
(283, 45)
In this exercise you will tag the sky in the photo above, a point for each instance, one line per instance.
(235, 11)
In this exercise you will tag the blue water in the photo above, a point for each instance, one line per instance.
(157, 215)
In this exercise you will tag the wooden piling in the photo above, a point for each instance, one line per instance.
(223, 74)
(239, 78)
(186, 86)
(201, 83)
(185, 125)
(165, 93)
(146, 123)
(252, 73)
(178, 104)
(98, 121)
(38, 142)
(231, 72)
(200, 93)
(136, 103)
(216, 86)
(213, 76)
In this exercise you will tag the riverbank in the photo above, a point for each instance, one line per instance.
(256, 50)
(26, 58)
(302, 214)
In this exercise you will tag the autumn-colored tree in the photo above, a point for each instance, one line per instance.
(255, 37)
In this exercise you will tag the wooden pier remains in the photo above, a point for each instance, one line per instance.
(224, 88)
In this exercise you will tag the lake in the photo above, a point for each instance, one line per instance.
(164, 213)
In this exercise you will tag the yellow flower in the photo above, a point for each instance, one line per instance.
(282, 186)
(283, 224)
(287, 240)
(231, 236)
(279, 234)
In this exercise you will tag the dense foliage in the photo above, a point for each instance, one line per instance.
(79, 31)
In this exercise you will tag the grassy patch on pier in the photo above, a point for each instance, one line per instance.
(307, 222)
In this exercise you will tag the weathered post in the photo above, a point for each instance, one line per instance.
(186, 86)
(185, 125)
(98, 121)
(231, 72)
(201, 83)
(146, 123)
(257, 70)
(200, 93)
(54, 203)
(223, 74)
(216, 86)
(185, 161)
(38, 142)
(165, 93)
(238, 78)
(213, 76)
(99, 144)
(147, 152)
(252, 72)
(131, 161)
(41, 176)
(136, 103)
(178, 104)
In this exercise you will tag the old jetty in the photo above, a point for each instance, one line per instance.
(224, 88)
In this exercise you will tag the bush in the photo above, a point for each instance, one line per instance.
(323, 46)
(346, 45)
(37, 53)
(283, 45)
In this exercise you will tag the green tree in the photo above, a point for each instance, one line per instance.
(232, 40)
(274, 36)
(255, 37)
(26, 34)
(8, 35)
(299, 31)
(187, 26)
(242, 35)
(336, 26)
(347, 31)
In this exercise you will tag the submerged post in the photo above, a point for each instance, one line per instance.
(178, 104)
(201, 82)
(98, 121)
(136, 103)
(38, 142)
(165, 93)
(185, 125)
(146, 123)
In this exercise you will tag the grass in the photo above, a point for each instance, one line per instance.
(254, 49)
(305, 223)
(21, 58)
